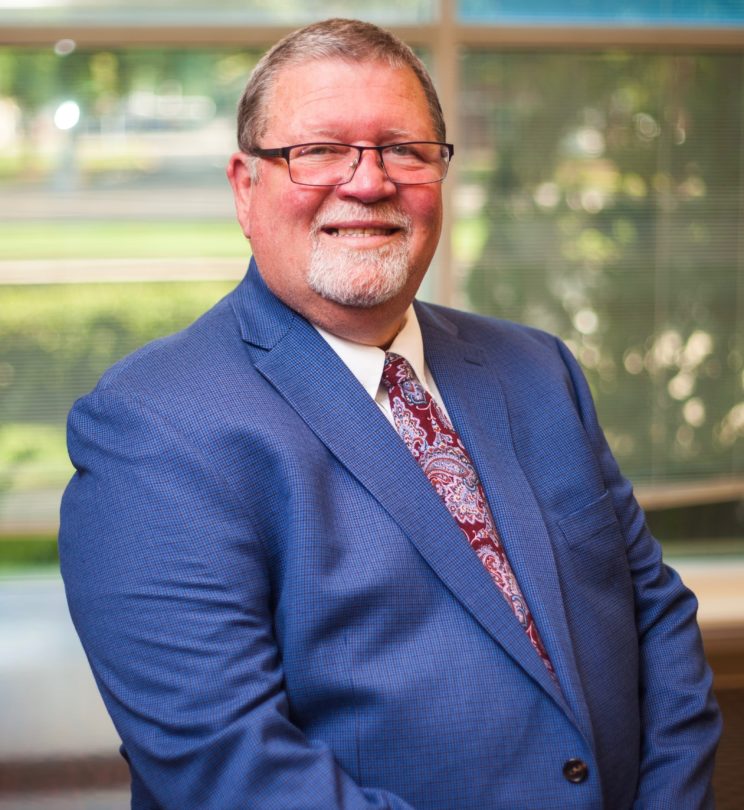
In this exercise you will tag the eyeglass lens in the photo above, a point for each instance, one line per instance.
(331, 164)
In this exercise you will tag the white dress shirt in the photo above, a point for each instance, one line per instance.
(366, 362)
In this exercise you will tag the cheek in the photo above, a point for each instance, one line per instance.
(300, 203)
(427, 217)
(425, 206)
(282, 203)
(283, 221)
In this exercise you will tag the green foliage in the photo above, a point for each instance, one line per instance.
(32, 551)
(99, 78)
(55, 341)
(609, 185)
(32, 456)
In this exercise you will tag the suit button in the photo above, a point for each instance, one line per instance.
(576, 770)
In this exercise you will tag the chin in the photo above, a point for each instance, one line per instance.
(359, 280)
(361, 298)
(364, 293)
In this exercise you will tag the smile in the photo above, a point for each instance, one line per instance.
(360, 231)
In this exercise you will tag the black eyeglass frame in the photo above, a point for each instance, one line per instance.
(284, 152)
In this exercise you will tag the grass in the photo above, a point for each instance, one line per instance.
(33, 456)
(121, 240)
(19, 553)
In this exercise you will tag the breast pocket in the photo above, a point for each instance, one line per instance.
(587, 523)
(594, 548)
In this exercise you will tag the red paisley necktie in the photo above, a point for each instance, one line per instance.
(434, 443)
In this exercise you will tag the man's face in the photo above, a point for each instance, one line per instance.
(354, 248)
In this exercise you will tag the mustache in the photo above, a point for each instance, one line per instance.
(385, 212)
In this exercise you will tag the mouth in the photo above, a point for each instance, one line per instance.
(360, 231)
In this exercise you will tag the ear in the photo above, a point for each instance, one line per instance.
(239, 175)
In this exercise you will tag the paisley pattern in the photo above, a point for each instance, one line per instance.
(434, 443)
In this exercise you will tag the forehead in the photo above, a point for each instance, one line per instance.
(333, 98)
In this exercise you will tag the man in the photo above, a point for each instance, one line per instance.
(303, 583)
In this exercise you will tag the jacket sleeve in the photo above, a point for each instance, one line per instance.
(169, 590)
(680, 720)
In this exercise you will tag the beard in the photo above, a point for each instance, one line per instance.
(360, 277)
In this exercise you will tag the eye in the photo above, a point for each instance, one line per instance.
(403, 150)
(320, 150)
(409, 154)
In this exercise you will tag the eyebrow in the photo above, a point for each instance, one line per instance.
(388, 136)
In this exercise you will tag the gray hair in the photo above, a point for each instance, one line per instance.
(350, 40)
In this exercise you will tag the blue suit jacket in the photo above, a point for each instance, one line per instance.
(281, 613)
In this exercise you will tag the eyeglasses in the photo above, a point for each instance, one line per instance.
(411, 163)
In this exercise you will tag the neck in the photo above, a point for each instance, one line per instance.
(370, 326)
(363, 326)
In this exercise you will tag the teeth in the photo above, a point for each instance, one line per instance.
(359, 231)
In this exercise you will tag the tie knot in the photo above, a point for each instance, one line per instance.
(396, 370)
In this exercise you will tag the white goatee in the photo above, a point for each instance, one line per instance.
(363, 277)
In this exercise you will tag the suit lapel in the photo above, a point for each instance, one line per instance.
(469, 383)
(316, 383)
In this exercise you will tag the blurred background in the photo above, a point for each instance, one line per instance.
(597, 192)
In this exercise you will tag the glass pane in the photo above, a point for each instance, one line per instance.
(118, 227)
(55, 341)
(600, 198)
(198, 12)
(115, 135)
(629, 12)
(112, 170)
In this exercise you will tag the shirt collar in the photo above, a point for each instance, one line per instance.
(366, 362)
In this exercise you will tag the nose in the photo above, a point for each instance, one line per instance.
(369, 183)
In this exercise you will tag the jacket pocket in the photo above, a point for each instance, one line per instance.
(587, 523)
(594, 553)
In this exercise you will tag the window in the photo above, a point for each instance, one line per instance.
(600, 198)
(594, 193)
(119, 227)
